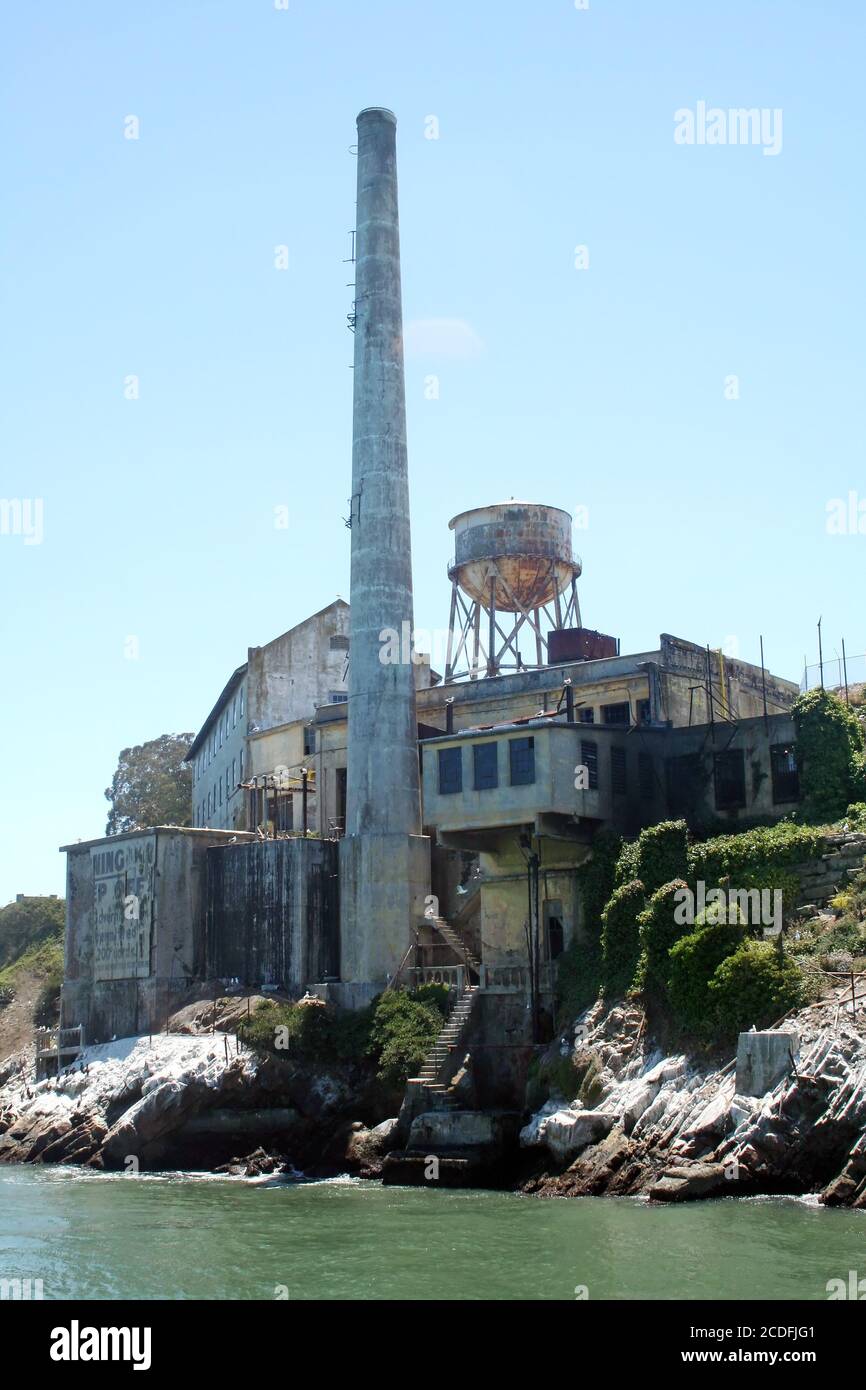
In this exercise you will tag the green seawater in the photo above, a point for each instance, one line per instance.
(175, 1236)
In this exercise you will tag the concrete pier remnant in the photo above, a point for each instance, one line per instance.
(763, 1059)
(384, 863)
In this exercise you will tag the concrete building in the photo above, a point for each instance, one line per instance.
(248, 756)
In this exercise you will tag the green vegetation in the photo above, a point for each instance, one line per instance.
(694, 960)
(638, 942)
(753, 985)
(392, 1035)
(831, 756)
(659, 932)
(31, 943)
(566, 1078)
(152, 785)
(26, 923)
(578, 980)
(620, 937)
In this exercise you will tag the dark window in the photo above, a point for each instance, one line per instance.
(338, 643)
(618, 777)
(685, 784)
(645, 776)
(644, 711)
(616, 714)
(521, 753)
(589, 758)
(786, 777)
(555, 928)
(730, 775)
(309, 741)
(586, 714)
(450, 771)
(485, 765)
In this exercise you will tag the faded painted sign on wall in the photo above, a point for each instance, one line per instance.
(123, 880)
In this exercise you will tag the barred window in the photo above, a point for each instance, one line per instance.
(450, 771)
(485, 766)
(521, 754)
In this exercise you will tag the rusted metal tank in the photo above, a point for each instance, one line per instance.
(522, 549)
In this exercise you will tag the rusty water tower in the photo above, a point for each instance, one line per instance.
(513, 580)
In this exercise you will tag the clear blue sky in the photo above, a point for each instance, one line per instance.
(603, 388)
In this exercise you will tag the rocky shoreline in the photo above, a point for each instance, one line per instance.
(674, 1128)
(667, 1127)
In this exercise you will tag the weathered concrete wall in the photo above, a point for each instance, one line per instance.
(135, 921)
(299, 670)
(736, 684)
(273, 913)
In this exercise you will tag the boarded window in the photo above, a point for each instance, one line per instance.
(589, 758)
(616, 714)
(730, 778)
(485, 766)
(450, 771)
(618, 772)
(586, 714)
(786, 776)
(521, 754)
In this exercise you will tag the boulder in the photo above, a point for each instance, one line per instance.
(688, 1183)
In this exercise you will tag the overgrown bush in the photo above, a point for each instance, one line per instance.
(694, 960)
(662, 854)
(760, 858)
(659, 931)
(754, 985)
(403, 1030)
(620, 938)
(830, 756)
(578, 974)
(393, 1034)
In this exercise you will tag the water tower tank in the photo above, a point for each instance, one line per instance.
(522, 549)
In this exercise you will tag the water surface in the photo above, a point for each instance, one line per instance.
(109, 1236)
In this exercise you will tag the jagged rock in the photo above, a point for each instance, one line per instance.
(366, 1148)
(686, 1184)
(565, 1132)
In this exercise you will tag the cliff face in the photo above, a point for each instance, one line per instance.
(673, 1128)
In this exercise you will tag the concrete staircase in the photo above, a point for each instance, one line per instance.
(455, 940)
(428, 1090)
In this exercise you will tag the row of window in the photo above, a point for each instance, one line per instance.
(210, 804)
(729, 776)
(219, 734)
(485, 766)
(618, 715)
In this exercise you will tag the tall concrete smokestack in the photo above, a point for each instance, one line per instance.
(383, 788)
(384, 859)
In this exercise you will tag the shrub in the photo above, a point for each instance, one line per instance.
(759, 858)
(754, 985)
(694, 960)
(578, 973)
(830, 755)
(662, 854)
(620, 938)
(659, 931)
(659, 854)
(403, 1030)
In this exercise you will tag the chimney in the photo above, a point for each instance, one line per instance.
(383, 787)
